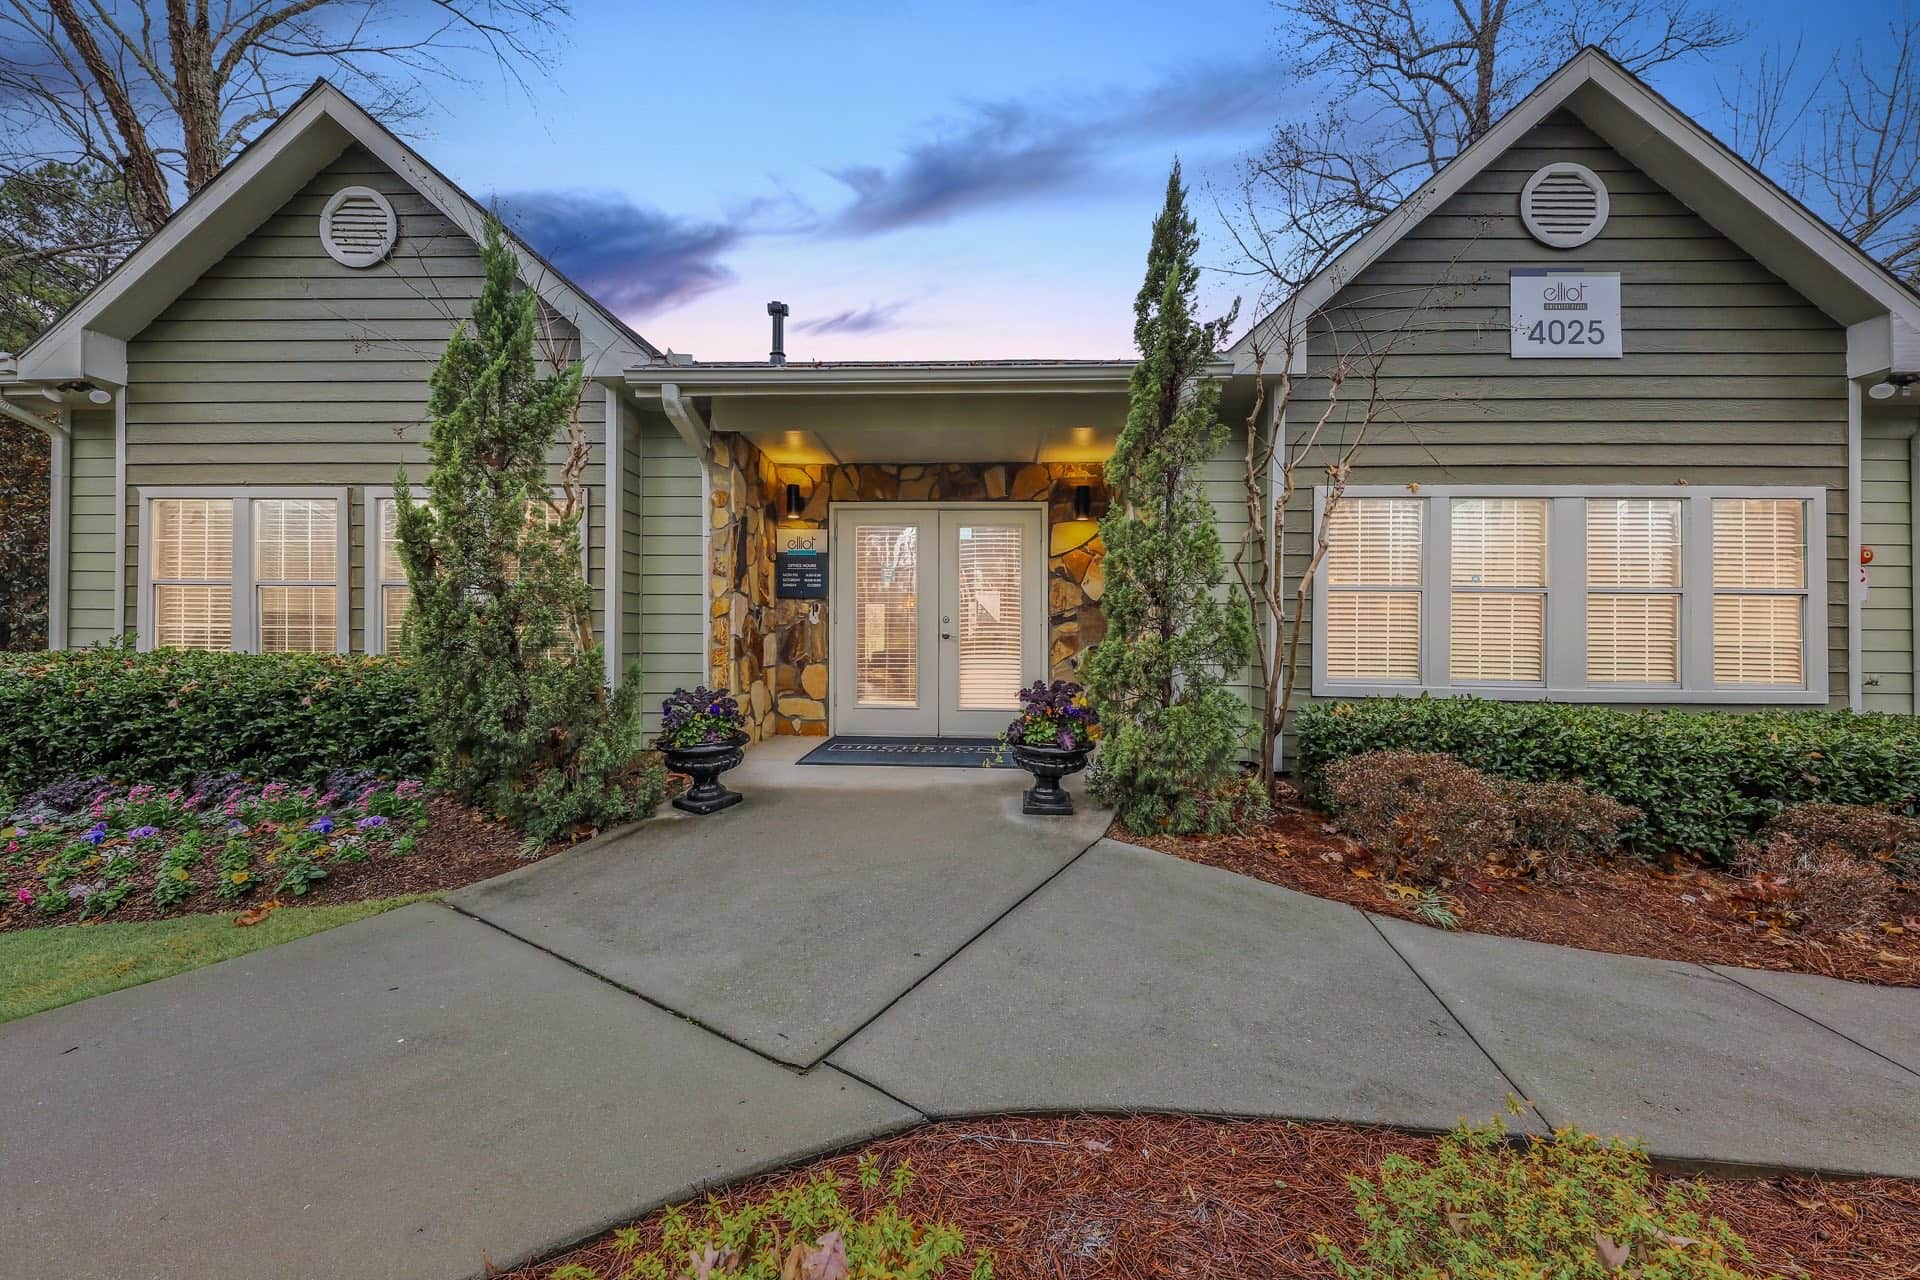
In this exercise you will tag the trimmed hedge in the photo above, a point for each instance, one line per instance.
(1703, 781)
(166, 717)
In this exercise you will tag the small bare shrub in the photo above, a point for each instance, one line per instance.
(1557, 824)
(1872, 835)
(1823, 888)
(1425, 814)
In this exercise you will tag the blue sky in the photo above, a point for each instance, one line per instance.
(914, 179)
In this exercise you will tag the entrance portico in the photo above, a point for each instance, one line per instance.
(956, 505)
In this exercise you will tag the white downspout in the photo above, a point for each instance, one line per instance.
(1855, 698)
(612, 564)
(1913, 558)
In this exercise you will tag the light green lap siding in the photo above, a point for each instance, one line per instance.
(1886, 525)
(1730, 378)
(279, 366)
(90, 617)
(632, 465)
(672, 560)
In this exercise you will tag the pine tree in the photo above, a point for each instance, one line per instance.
(521, 720)
(1171, 727)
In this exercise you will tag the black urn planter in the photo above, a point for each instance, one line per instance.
(704, 764)
(1046, 797)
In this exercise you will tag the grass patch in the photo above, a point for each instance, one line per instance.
(46, 968)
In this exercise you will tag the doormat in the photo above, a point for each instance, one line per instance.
(943, 753)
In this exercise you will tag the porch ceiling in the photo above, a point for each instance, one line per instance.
(926, 428)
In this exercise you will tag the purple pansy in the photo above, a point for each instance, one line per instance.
(322, 826)
(141, 833)
(371, 822)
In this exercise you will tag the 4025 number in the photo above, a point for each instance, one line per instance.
(1568, 333)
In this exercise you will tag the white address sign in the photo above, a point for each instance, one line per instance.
(1564, 315)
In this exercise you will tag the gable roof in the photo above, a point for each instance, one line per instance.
(89, 341)
(1739, 201)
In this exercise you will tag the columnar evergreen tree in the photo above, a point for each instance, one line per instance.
(1172, 727)
(521, 720)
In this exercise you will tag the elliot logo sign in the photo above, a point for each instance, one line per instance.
(1564, 315)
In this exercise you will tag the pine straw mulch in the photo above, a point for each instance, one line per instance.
(1131, 1197)
(459, 847)
(1676, 911)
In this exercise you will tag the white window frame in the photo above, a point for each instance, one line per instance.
(1566, 595)
(246, 620)
(374, 611)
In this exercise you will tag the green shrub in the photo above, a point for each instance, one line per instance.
(806, 1230)
(170, 716)
(1703, 781)
(1574, 1207)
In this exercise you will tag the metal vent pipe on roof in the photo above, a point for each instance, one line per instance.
(779, 311)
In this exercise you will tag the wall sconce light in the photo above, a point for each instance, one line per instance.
(794, 505)
(1083, 502)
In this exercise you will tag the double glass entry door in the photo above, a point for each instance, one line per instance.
(938, 616)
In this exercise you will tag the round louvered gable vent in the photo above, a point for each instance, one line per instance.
(358, 227)
(1564, 205)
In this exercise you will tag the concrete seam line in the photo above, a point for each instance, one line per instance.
(1532, 1103)
(952, 955)
(641, 996)
(823, 1065)
(1801, 1013)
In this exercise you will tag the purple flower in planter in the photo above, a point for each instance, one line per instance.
(322, 826)
(141, 833)
(371, 822)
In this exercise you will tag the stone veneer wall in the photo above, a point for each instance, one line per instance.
(772, 653)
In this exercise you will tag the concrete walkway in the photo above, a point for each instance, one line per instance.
(851, 951)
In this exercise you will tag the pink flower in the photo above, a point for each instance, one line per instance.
(23, 896)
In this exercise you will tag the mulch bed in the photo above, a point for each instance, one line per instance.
(1673, 912)
(1062, 1198)
(459, 847)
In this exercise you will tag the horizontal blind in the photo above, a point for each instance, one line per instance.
(394, 603)
(990, 608)
(192, 538)
(1633, 542)
(298, 620)
(886, 615)
(192, 616)
(1759, 542)
(1635, 550)
(1373, 635)
(295, 540)
(1498, 637)
(1374, 542)
(1757, 639)
(1499, 542)
(1633, 639)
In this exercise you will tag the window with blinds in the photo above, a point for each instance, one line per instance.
(1634, 553)
(192, 573)
(1667, 593)
(296, 574)
(1497, 610)
(1373, 590)
(391, 591)
(886, 615)
(1759, 591)
(989, 620)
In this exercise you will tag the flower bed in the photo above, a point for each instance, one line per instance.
(1150, 1197)
(86, 849)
